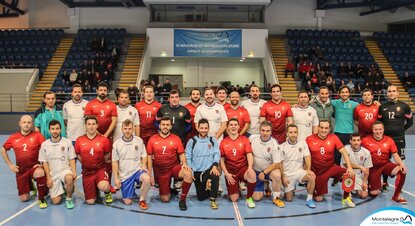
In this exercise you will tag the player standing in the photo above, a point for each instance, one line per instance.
(278, 112)
(304, 117)
(73, 114)
(238, 112)
(253, 106)
(126, 111)
(147, 110)
(192, 106)
(366, 113)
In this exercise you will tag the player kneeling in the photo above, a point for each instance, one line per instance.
(267, 163)
(129, 165)
(361, 162)
(296, 157)
(58, 157)
(237, 162)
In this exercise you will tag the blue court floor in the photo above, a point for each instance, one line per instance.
(329, 212)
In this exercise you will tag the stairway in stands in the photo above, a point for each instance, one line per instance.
(388, 71)
(279, 54)
(132, 62)
(52, 70)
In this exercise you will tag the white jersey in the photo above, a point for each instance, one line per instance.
(128, 154)
(130, 113)
(304, 119)
(361, 157)
(265, 152)
(57, 155)
(254, 110)
(74, 113)
(293, 156)
(215, 115)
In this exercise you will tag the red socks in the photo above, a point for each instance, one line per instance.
(250, 189)
(399, 182)
(42, 189)
(185, 190)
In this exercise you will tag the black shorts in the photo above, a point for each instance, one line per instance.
(400, 145)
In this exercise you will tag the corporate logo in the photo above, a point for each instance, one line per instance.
(390, 216)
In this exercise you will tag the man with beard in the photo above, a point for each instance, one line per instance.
(192, 106)
(26, 144)
(366, 113)
(253, 106)
(93, 151)
(58, 157)
(322, 104)
(214, 113)
(397, 118)
(162, 150)
(178, 113)
(126, 111)
(238, 112)
(203, 156)
(46, 113)
(222, 94)
(73, 114)
(147, 110)
(278, 112)
(105, 112)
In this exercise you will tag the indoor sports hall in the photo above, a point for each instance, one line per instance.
(52, 45)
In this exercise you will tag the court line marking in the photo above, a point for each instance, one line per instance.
(238, 214)
(407, 192)
(24, 209)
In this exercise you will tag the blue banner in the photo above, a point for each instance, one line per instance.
(194, 43)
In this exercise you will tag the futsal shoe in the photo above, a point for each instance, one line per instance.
(310, 203)
(182, 205)
(108, 198)
(347, 202)
(250, 203)
(400, 200)
(278, 202)
(69, 204)
(42, 204)
(143, 205)
(213, 204)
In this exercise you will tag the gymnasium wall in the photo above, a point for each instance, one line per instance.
(280, 15)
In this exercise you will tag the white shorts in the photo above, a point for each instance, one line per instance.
(294, 178)
(58, 183)
(358, 181)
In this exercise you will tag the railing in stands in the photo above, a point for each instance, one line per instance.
(269, 65)
(143, 60)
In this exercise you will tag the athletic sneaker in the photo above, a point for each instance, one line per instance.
(310, 203)
(113, 190)
(250, 203)
(348, 203)
(69, 204)
(278, 202)
(385, 187)
(213, 204)
(182, 205)
(400, 200)
(143, 205)
(42, 204)
(108, 198)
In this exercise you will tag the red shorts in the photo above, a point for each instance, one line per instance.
(24, 181)
(90, 183)
(239, 177)
(163, 178)
(145, 140)
(376, 172)
(335, 172)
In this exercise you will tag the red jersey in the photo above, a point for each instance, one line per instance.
(366, 116)
(226, 105)
(322, 151)
(234, 152)
(241, 114)
(26, 149)
(148, 113)
(104, 111)
(92, 152)
(380, 150)
(164, 151)
(277, 114)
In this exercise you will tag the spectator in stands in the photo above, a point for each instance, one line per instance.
(319, 54)
(289, 68)
(94, 45)
(167, 86)
(330, 84)
(322, 78)
(86, 87)
(349, 70)
(102, 45)
(407, 81)
(351, 86)
(96, 79)
(309, 87)
(83, 76)
(326, 67)
(133, 93)
(85, 66)
(73, 77)
(65, 77)
(342, 70)
(115, 52)
(314, 80)
(268, 88)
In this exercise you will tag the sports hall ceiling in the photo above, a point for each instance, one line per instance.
(373, 6)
